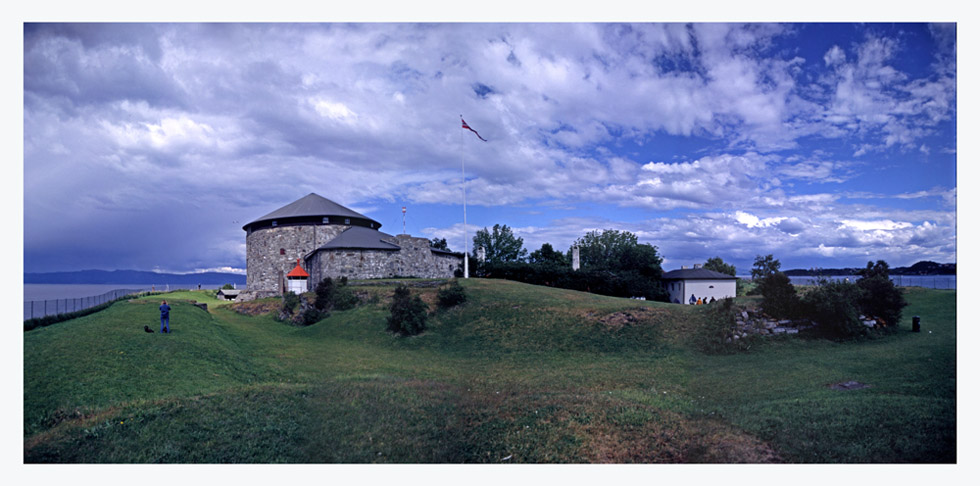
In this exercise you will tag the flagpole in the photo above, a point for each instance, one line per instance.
(466, 244)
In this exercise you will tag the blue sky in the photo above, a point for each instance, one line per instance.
(148, 146)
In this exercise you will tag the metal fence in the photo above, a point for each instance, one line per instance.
(42, 308)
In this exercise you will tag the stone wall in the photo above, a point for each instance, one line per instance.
(414, 259)
(267, 266)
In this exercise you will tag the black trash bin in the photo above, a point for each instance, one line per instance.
(915, 324)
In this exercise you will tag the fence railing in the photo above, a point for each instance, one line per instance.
(43, 308)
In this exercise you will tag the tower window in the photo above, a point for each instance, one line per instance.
(282, 251)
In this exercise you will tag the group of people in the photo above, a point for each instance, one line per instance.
(700, 300)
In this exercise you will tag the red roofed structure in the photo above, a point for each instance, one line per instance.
(298, 272)
(297, 279)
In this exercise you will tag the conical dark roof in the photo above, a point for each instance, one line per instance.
(312, 206)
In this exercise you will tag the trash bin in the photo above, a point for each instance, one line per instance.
(915, 324)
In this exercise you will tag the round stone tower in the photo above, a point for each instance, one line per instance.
(275, 241)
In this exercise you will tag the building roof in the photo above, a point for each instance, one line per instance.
(360, 238)
(696, 274)
(312, 206)
(297, 271)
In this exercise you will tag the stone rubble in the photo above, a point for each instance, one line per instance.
(750, 321)
(754, 322)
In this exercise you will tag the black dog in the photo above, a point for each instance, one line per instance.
(147, 329)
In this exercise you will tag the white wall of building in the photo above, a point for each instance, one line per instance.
(681, 290)
(297, 285)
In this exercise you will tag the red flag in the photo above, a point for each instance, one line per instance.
(470, 129)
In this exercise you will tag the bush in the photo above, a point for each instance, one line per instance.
(451, 295)
(881, 298)
(779, 297)
(310, 316)
(227, 287)
(324, 294)
(330, 296)
(408, 313)
(289, 303)
(833, 305)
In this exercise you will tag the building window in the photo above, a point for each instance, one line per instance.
(711, 286)
(275, 223)
(326, 220)
(346, 220)
(282, 251)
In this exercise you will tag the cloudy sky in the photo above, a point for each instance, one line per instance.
(149, 146)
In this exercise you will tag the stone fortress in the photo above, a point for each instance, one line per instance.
(329, 240)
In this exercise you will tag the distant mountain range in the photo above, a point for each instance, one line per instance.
(920, 268)
(133, 277)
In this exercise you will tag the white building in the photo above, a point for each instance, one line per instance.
(687, 285)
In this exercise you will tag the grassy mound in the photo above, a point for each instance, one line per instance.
(517, 374)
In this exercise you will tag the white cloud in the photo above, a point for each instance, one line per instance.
(884, 224)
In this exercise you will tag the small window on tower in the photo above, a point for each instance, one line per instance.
(282, 251)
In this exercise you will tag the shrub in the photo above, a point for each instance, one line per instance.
(227, 287)
(324, 294)
(331, 296)
(289, 303)
(310, 316)
(833, 305)
(408, 313)
(451, 295)
(779, 297)
(881, 298)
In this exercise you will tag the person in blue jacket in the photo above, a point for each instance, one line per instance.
(164, 317)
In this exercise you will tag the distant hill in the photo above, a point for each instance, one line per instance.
(133, 277)
(919, 268)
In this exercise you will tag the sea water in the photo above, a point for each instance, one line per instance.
(74, 291)
(927, 281)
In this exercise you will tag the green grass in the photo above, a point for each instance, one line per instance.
(518, 374)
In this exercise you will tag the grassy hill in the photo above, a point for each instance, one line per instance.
(518, 374)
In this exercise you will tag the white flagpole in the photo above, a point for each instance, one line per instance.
(466, 244)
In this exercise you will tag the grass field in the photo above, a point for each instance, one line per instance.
(518, 374)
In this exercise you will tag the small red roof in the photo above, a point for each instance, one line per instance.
(298, 272)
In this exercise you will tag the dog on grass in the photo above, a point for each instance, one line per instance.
(147, 329)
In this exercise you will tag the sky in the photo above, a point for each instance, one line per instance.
(148, 146)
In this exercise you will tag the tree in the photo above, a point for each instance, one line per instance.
(604, 249)
(779, 297)
(718, 265)
(879, 269)
(500, 244)
(547, 254)
(439, 244)
(408, 313)
(764, 266)
(879, 295)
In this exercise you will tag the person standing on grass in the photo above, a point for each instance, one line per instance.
(164, 317)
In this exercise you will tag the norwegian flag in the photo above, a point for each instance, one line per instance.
(467, 127)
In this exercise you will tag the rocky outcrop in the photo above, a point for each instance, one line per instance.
(752, 322)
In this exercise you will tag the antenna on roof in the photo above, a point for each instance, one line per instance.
(403, 220)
